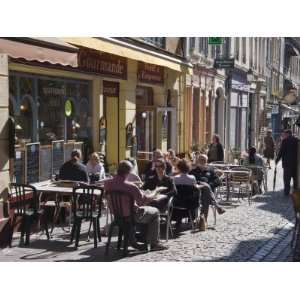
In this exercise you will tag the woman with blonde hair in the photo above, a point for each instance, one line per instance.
(95, 168)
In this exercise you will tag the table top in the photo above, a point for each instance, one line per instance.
(234, 171)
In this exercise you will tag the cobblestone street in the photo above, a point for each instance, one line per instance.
(259, 232)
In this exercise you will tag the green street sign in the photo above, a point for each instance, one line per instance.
(215, 40)
(68, 108)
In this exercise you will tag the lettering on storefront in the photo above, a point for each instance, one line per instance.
(106, 64)
(150, 73)
(110, 89)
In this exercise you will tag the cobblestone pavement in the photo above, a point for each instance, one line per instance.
(259, 232)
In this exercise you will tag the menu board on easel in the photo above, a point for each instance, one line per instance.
(69, 147)
(58, 155)
(45, 162)
(32, 162)
(19, 165)
(79, 146)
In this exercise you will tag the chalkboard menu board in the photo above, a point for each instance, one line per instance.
(58, 155)
(79, 146)
(32, 162)
(45, 162)
(19, 166)
(69, 147)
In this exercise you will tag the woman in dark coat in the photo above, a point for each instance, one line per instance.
(215, 151)
(269, 147)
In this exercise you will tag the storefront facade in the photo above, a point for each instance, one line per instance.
(239, 112)
(200, 107)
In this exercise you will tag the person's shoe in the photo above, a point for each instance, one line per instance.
(158, 247)
(220, 210)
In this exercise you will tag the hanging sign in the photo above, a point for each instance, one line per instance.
(102, 63)
(150, 73)
(110, 89)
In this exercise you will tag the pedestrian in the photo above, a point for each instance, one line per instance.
(288, 154)
(216, 150)
(269, 148)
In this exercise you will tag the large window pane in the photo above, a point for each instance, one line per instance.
(233, 127)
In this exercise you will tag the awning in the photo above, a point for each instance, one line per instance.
(290, 108)
(131, 52)
(51, 50)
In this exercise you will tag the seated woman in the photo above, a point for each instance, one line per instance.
(209, 180)
(255, 160)
(187, 193)
(160, 179)
(173, 160)
(95, 168)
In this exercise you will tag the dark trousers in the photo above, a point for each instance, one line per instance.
(288, 174)
(207, 198)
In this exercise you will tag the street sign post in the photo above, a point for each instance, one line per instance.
(224, 63)
(215, 40)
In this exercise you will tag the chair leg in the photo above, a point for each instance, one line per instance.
(73, 230)
(78, 233)
(191, 220)
(12, 226)
(167, 229)
(28, 223)
(95, 232)
(126, 240)
(98, 229)
(91, 222)
(45, 225)
(120, 235)
(109, 238)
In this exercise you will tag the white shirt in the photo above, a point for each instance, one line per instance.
(96, 169)
(184, 179)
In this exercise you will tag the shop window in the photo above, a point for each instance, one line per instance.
(144, 96)
(23, 120)
(38, 105)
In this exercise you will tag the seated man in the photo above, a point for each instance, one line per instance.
(73, 169)
(150, 167)
(160, 179)
(255, 160)
(144, 214)
(207, 178)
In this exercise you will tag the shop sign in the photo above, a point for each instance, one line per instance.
(102, 63)
(150, 73)
(110, 89)
(224, 63)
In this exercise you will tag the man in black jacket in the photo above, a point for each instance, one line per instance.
(288, 154)
(74, 169)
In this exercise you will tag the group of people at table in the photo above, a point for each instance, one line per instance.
(166, 171)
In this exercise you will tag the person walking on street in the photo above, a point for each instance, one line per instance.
(215, 151)
(288, 154)
(269, 148)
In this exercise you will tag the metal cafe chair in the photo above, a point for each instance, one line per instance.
(25, 204)
(241, 179)
(124, 222)
(186, 202)
(86, 205)
(167, 216)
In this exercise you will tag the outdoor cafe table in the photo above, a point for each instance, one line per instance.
(53, 187)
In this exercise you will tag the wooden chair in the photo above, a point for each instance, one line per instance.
(25, 204)
(121, 218)
(86, 205)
